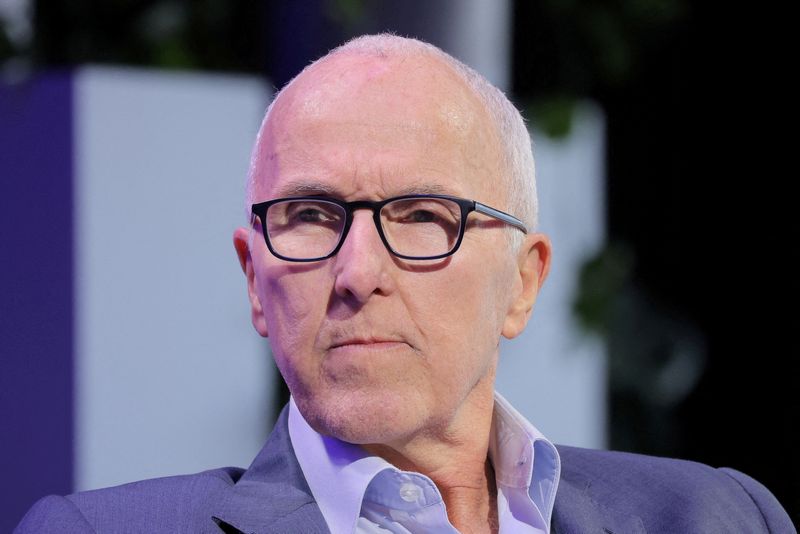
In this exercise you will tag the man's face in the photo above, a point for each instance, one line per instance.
(375, 349)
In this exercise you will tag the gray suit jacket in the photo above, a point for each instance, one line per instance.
(600, 492)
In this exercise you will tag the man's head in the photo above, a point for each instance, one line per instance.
(376, 349)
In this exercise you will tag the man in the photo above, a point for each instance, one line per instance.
(392, 243)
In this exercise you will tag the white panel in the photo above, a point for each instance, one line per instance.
(478, 32)
(552, 373)
(170, 375)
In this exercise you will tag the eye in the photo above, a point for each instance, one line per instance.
(425, 212)
(421, 216)
(421, 211)
(313, 215)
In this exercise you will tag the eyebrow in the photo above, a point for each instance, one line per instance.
(424, 189)
(313, 187)
(306, 188)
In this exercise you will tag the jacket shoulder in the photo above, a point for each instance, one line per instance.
(775, 516)
(54, 514)
(667, 494)
(168, 504)
(270, 496)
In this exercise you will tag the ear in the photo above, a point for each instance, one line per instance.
(533, 263)
(240, 243)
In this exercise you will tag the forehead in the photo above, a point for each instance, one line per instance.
(349, 85)
(407, 107)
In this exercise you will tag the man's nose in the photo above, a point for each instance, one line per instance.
(362, 264)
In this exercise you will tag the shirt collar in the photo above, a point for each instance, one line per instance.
(526, 464)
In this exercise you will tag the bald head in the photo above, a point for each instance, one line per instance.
(372, 80)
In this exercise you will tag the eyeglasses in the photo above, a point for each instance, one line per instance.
(412, 227)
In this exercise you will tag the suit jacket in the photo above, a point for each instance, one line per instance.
(599, 492)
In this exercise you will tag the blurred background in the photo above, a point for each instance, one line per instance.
(668, 325)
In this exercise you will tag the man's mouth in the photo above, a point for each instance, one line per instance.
(371, 342)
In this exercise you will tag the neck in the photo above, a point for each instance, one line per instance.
(456, 459)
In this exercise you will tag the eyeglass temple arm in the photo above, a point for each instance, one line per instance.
(497, 214)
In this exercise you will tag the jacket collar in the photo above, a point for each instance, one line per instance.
(272, 495)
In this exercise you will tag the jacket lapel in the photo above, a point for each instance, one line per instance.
(272, 495)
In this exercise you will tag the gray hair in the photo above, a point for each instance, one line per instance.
(517, 153)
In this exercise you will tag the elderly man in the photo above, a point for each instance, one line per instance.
(392, 243)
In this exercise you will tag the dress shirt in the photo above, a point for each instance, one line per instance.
(360, 493)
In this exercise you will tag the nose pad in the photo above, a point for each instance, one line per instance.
(362, 233)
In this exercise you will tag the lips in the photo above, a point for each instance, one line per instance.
(366, 342)
(348, 344)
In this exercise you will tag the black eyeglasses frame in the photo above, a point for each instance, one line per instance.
(467, 206)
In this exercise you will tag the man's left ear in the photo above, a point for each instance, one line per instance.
(533, 262)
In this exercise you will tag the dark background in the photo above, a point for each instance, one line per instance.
(703, 232)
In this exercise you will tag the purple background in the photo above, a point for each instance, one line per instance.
(36, 266)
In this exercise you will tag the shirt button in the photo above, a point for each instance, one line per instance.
(409, 492)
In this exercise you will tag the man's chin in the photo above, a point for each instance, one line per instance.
(361, 422)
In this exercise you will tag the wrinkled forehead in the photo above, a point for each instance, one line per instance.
(412, 93)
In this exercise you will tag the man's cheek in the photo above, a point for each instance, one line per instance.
(291, 302)
(292, 324)
(465, 300)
